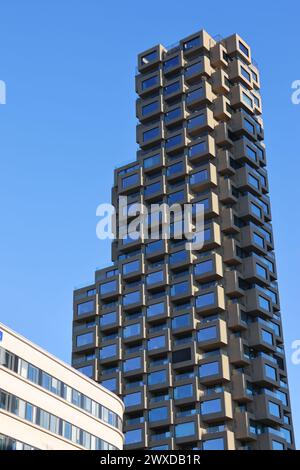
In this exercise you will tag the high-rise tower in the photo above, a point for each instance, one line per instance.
(192, 340)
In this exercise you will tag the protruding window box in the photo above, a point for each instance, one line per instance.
(200, 122)
(236, 46)
(187, 429)
(173, 62)
(212, 335)
(155, 190)
(209, 269)
(175, 142)
(223, 135)
(247, 151)
(181, 290)
(268, 410)
(231, 255)
(160, 415)
(155, 249)
(199, 94)
(173, 89)
(256, 210)
(259, 303)
(237, 352)
(225, 163)
(150, 58)
(195, 43)
(159, 379)
(202, 149)
(212, 235)
(85, 309)
(147, 84)
(218, 56)
(129, 181)
(156, 311)
(255, 240)
(156, 279)
(148, 136)
(203, 178)
(152, 161)
(197, 69)
(110, 289)
(86, 340)
(256, 270)
(177, 170)
(242, 124)
(158, 344)
(174, 115)
(133, 300)
(226, 191)
(236, 317)
(260, 375)
(243, 429)
(216, 408)
(133, 268)
(229, 224)
(134, 365)
(261, 337)
(232, 284)
(221, 110)
(220, 82)
(239, 72)
(147, 110)
(134, 331)
(210, 302)
(182, 357)
(136, 439)
(214, 370)
(210, 202)
(241, 388)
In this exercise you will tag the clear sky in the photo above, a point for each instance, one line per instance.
(69, 67)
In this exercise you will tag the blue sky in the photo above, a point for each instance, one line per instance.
(70, 119)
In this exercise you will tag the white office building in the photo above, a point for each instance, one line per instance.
(46, 404)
